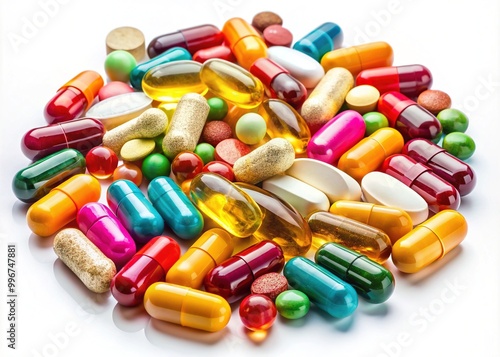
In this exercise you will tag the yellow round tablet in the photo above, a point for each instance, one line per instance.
(128, 39)
(137, 149)
(363, 99)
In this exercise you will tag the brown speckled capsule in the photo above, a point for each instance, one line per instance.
(84, 259)
(274, 157)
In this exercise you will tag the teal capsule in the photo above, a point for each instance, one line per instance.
(134, 211)
(173, 54)
(324, 289)
(322, 39)
(35, 181)
(174, 206)
(371, 280)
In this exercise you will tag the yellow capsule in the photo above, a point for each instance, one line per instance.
(187, 307)
(212, 248)
(226, 204)
(367, 240)
(284, 121)
(232, 82)
(170, 81)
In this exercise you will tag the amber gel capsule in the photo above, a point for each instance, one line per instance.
(371, 280)
(328, 227)
(429, 241)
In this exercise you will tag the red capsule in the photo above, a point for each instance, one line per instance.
(279, 82)
(438, 193)
(443, 164)
(411, 80)
(73, 98)
(81, 134)
(409, 118)
(149, 265)
(222, 52)
(192, 39)
(233, 278)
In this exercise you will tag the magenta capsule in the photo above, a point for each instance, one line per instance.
(411, 80)
(409, 118)
(233, 277)
(336, 137)
(221, 52)
(80, 134)
(102, 228)
(442, 163)
(279, 82)
(438, 193)
(149, 265)
(192, 39)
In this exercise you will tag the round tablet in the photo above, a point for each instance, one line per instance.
(114, 88)
(374, 121)
(292, 304)
(137, 149)
(155, 165)
(218, 108)
(363, 98)
(434, 100)
(277, 35)
(128, 39)
(118, 65)
(216, 131)
(128, 171)
(270, 284)
(459, 145)
(251, 128)
(265, 19)
(230, 150)
(453, 120)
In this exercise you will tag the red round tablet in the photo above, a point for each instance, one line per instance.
(215, 131)
(270, 284)
(114, 88)
(277, 35)
(230, 150)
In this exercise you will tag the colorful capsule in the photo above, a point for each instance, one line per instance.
(79, 134)
(411, 80)
(227, 204)
(193, 39)
(322, 39)
(429, 241)
(73, 98)
(60, 206)
(443, 164)
(281, 222)
(244, 41)
(231, 82)
(369, 153)
(35, 181)
(212, 248)
(438, 193)
(233, 278)
(367, 240)
(324, 289)
(187, 307)
(371, 280)
(220, 52)
(409, 118)
(357, 58)
(149, 265)
(391, 220)
(134, 211)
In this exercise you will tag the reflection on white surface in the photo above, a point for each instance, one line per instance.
(130, 319)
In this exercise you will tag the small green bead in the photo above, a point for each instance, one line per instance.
(459, 145)
(155, 165)
(374, 121)
(292, 304)
(453, 120)
(206, 152)
(118, 65)
(218, 109)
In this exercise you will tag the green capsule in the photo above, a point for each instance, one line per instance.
(459, 145)
(371, 280)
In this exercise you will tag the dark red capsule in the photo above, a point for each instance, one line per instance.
(221, 52)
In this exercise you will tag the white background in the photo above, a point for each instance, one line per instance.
(449, 309)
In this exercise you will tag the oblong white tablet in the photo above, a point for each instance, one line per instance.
(334, 183)
(383, 189)
(305, 198)
(304, 68)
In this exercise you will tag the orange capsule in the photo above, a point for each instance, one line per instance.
(429, 241)
(357, 58)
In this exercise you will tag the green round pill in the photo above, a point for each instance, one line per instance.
(292, 304)
(206, 152)
(374, 121)
(155, 165)
(118, 65)
(453, 120)
(218, 108)
(459, 145)
(251, 128)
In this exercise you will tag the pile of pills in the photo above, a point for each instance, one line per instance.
(236, 136)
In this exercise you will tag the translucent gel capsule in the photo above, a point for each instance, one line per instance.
(322, 39)
(232, 82)
(371, 280)
(170, 81)
(281, 223)
(328, 227)
(187, 307)
(227, 204)
(429, 241)
(391, 220)
(324, 289)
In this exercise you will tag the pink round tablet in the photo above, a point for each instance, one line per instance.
(114, 88)
(277, 35)
(230, 150)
